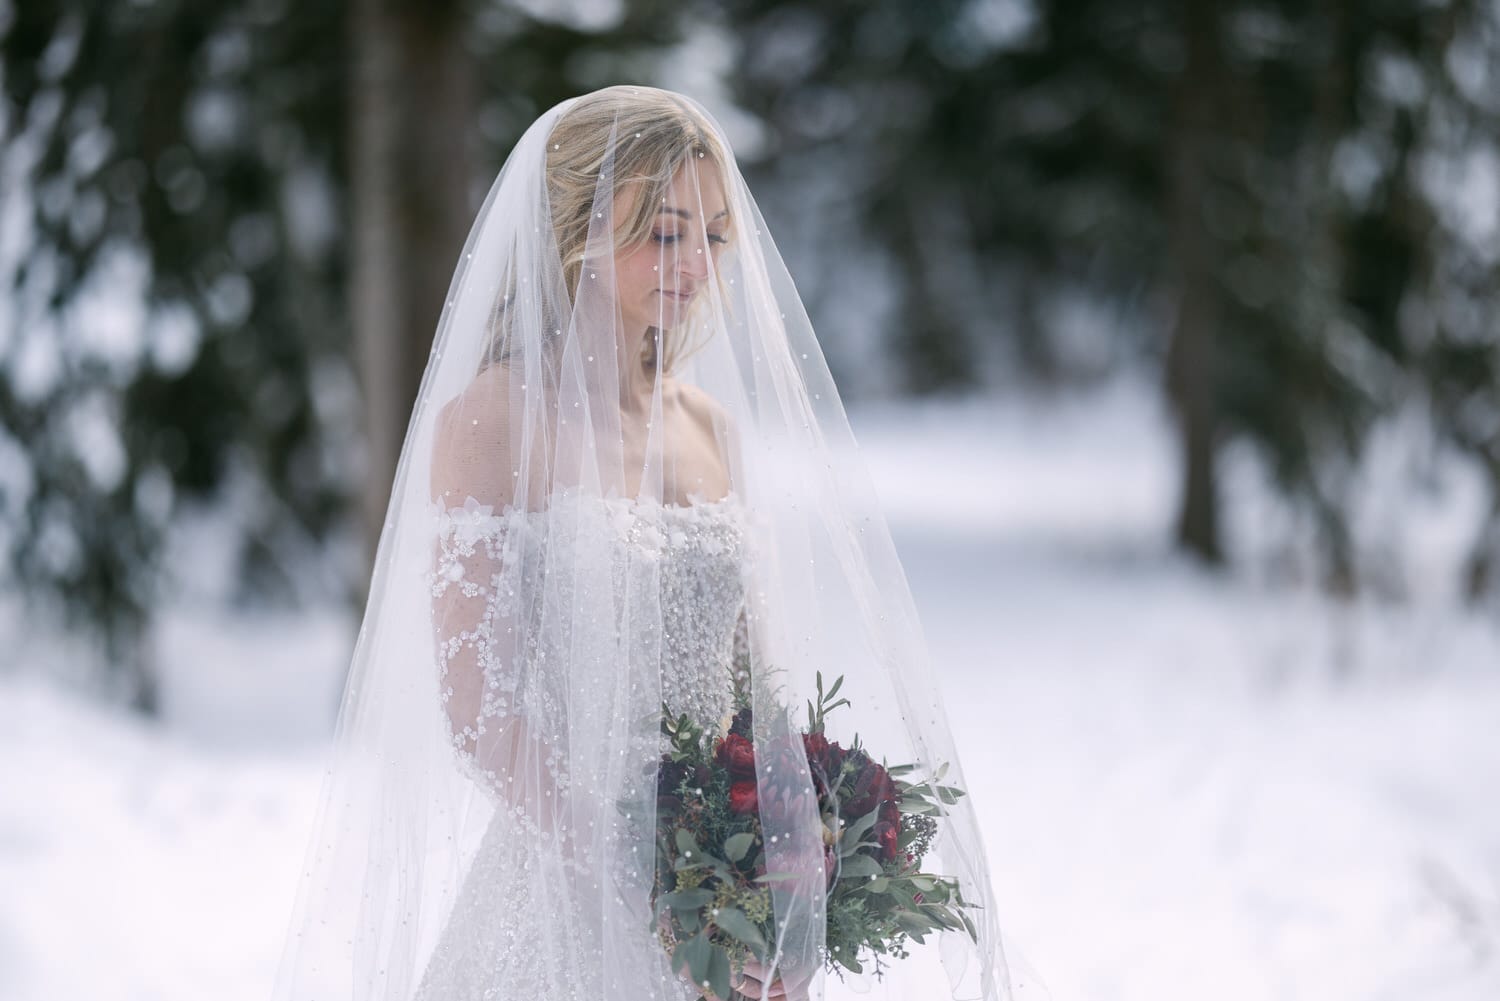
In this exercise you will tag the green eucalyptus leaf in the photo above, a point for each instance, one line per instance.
(697, 952)
(854, 832)
(941, 892)
(734, 921)
(688, 899)
(718, 972)
(737, 845)
(942, 917)
(913, 924)
(859, 866)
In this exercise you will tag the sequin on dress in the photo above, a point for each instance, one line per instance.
(507, 920)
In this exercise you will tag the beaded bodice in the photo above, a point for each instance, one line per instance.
(680, 566)
(562, 614)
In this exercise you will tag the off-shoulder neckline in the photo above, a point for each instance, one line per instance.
(697, 503)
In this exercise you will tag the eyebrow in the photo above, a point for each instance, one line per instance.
(687, 215)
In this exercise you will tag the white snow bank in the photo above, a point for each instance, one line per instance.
(1194, 787)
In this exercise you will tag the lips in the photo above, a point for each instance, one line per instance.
(675, 296)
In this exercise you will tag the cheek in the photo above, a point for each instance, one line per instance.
(634, 271)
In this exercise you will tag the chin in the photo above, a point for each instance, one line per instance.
(671, 314)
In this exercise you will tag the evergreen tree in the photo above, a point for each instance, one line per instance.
(199, 144)
(205, 150)
(1177, 158)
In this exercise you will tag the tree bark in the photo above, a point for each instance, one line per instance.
(411, 113)
(1191, 357)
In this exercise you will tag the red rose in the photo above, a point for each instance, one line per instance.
(737, 755)
(816, 746)
(742, 796)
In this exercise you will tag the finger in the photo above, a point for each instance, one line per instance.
(774, 991)
(756, 990)
(748, 986)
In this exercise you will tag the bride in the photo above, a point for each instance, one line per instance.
(628, 491)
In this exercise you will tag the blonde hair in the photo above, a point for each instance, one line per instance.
(655, 132)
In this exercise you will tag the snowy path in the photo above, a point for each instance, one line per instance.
(1194, 788)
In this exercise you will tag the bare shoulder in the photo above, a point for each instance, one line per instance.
(471, 440)
(485, 399)
(706, 412)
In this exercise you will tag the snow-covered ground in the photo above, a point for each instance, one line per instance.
(1195, 787)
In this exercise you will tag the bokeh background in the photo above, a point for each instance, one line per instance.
(1170, 331)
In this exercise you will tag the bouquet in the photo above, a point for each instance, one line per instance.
(712, 896)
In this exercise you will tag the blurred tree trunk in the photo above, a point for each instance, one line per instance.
(412, 109)
(1482, 568)
(1191, 366)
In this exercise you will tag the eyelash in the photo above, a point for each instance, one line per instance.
(672, 238)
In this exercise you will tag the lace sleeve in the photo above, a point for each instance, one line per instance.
(476, 685)
(476, 613)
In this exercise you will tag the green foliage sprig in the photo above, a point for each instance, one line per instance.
(712, 899)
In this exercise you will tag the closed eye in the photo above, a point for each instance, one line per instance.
(674, 237)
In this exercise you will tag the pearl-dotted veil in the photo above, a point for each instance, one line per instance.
(628, 482)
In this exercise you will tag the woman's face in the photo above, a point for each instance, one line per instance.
(658, 279)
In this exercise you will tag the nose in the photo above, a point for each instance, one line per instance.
(692, 259)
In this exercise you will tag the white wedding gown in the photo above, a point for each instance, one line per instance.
(509, 934)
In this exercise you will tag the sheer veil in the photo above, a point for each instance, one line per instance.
(628, 483)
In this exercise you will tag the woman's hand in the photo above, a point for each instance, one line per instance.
(751, 979)
(747, 985)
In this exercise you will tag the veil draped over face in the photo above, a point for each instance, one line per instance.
(628, 484)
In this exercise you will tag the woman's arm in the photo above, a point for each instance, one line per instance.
(476, 618)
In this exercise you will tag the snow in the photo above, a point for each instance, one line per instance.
(1194, 785)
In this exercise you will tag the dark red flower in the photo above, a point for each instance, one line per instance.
(887, 836)
(742, 796)
(889, 826)
(833, 761)
(816, 746)
(741, 723)
(669, 776)
(737, 755)
(873, 786)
